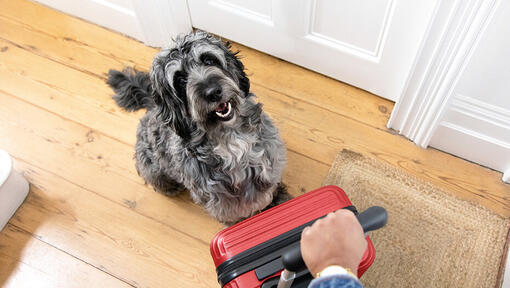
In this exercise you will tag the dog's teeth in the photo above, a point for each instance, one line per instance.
(229, 109)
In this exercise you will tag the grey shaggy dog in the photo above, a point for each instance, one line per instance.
(203, 131)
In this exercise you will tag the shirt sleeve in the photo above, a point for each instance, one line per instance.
(335, 281)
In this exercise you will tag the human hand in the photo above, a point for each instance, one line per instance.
(337, 239)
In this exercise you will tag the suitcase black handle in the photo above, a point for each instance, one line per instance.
(371, 219)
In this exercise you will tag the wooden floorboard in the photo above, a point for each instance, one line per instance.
(24, 260)
(88, 210)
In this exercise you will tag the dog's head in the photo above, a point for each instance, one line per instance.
(199, 83)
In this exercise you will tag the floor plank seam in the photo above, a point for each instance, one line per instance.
(34, 236)
(65, 118)
(321, 107)
(34, 51)
(22, 24)
(308, 157)
(101, 51)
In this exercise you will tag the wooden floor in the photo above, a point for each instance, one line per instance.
(89, 220)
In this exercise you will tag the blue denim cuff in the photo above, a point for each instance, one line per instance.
(335, 281)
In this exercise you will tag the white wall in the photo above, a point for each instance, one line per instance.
(487, 76)
(476, 124)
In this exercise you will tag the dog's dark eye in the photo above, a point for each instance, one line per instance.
(209, 59)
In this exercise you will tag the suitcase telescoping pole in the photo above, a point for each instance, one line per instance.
(371, 219)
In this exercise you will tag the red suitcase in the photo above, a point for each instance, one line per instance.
(247, 255)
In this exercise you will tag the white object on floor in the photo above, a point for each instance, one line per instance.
(13, 189)
(506, 279)
(506, 176)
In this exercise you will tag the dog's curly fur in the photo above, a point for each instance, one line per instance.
(202, 130)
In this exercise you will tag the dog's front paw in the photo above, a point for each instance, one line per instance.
(169, 193)
(167, 186)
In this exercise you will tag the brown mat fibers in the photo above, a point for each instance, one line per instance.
(432, 238)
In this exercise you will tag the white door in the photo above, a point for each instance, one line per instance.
(370, 44)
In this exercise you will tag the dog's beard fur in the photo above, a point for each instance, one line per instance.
(202, 130)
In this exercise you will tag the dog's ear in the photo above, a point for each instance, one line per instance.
(170, 108)
(244, 82)
(235, 64)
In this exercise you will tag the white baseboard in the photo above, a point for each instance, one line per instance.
(472, 145)
(109, 14)
(476, 131)
(479, 116)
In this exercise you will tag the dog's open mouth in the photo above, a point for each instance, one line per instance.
(224, 111)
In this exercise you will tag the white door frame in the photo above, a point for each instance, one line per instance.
(452, 37)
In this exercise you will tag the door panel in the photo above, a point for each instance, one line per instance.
(332, 19)
(260, 7)
(251, 11)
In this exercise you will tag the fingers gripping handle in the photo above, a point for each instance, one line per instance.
(371, 219)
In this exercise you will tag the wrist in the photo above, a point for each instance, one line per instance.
(336, 270)
(334, 262)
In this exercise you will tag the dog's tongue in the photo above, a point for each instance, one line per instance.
(221, 107)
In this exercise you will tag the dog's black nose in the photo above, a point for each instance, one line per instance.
(213, 93)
